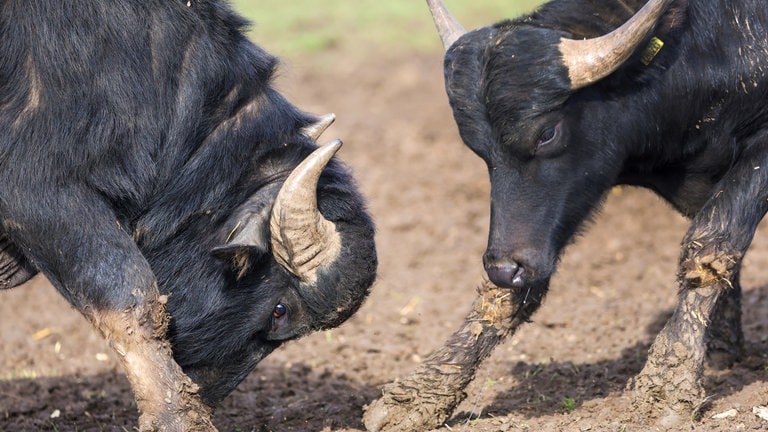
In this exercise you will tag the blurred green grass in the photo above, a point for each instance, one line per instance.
(295, 27)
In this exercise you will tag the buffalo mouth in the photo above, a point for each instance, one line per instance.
(504, 273)
(521, 268)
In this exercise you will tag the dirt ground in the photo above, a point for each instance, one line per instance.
(566, 371)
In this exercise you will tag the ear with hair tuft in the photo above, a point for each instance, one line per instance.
(248, 235)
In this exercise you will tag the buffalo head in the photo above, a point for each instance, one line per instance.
(518, 90)
(296, 256)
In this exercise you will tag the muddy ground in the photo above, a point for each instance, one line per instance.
(566, 371)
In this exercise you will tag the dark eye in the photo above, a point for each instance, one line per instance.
(280, 311)
(548, 135)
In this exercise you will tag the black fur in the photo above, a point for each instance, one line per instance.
(678, 125)
(131, 132)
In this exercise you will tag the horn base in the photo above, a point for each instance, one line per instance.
(303, 251)
(591, 60)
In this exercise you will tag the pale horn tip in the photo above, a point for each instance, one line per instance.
(316, 129)
(304, 177)
(448, 27)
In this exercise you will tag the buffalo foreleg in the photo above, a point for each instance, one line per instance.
(708, 309)
(95, 264)
(672, 374)
(167, 399)
(427, 398)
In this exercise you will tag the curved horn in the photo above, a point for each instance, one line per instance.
(447, 26)
(302, 239)
(590, 60)
(316, 129)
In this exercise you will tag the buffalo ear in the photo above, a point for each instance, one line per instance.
(248, 236)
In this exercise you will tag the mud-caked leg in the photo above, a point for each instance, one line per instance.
(93, 262)
(166, 397)
(708, 309)
(426, 398)
(724, 336)
(671, 377)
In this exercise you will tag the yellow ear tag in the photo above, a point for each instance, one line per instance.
(653, 48)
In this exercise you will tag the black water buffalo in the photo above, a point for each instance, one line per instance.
(151, 172)
(579, 96)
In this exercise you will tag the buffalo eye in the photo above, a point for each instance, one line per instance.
(548, 135)
(279, 311)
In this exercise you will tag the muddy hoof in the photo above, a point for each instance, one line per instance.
(190, 421)
(670, 380)
(427, 398)
(393, 413)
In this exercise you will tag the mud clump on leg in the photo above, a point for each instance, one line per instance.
(671, 380)
(167, 398)
(427, 398)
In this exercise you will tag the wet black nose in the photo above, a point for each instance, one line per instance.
(504, 273)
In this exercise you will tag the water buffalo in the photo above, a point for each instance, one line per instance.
(150, 170)
(578, 96)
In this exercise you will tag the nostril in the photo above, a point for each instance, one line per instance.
(506, 274)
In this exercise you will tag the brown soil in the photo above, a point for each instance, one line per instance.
(566, 371)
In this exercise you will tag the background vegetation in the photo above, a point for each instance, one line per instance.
(295, 27)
